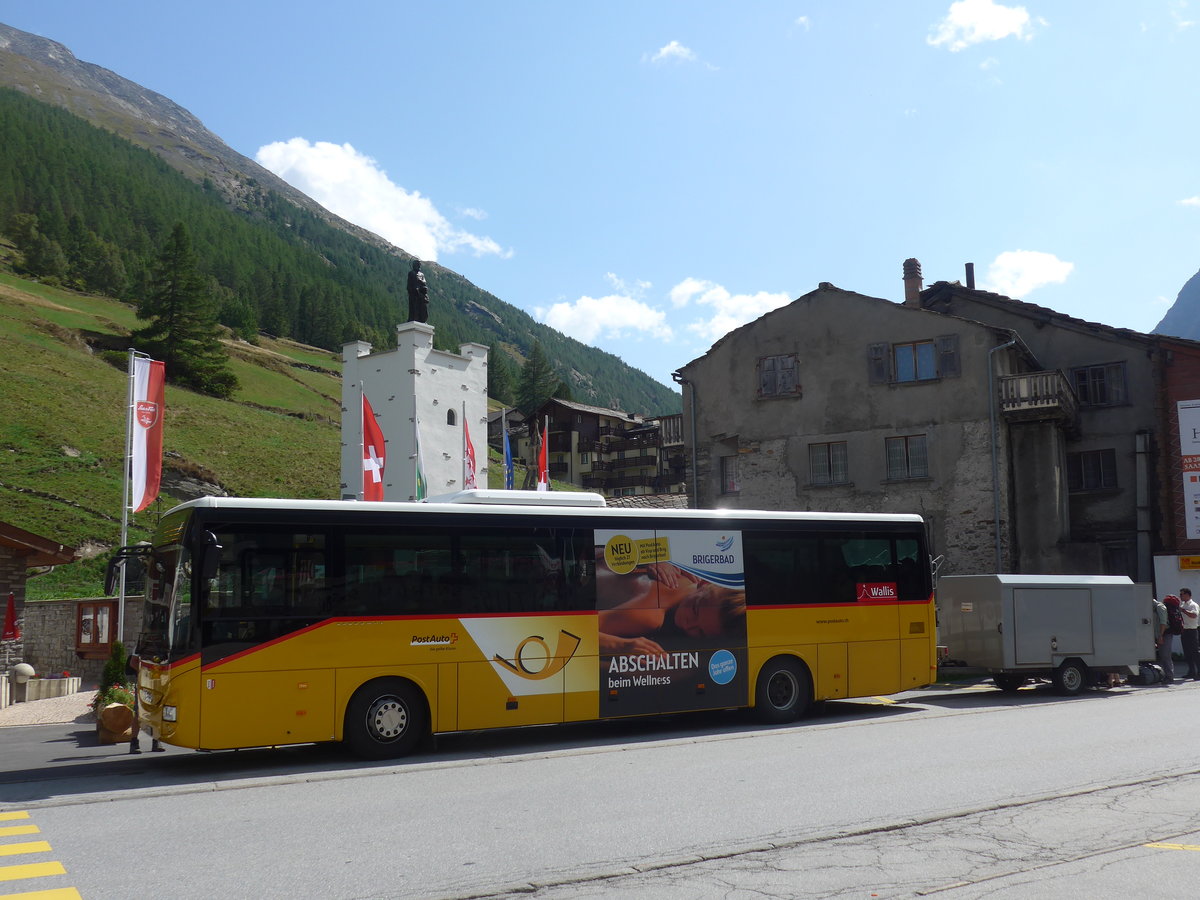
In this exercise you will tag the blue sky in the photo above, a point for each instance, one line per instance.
(645, 176)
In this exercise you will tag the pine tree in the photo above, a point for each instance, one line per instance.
(500, 377)
(183, 322)
(537, 383)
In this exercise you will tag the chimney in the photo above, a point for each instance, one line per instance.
(971, 276)
(912, 283)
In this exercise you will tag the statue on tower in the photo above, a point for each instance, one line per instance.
(418, 294)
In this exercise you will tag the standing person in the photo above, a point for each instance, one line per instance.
(1191, 632)
(1173, 627)
(1162, 638)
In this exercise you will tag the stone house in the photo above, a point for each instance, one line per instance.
(1026, 438)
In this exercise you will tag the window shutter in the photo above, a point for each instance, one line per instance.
(949, 365)
(877, 364)
(787, 374)
(766, 376)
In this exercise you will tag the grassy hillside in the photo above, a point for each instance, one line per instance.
(62, 428)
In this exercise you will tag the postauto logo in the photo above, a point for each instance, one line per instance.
(544, 664)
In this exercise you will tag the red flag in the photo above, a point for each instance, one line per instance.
(11, 631)
(543, 469)
(146, 444)
(468, 456)
(374, 454)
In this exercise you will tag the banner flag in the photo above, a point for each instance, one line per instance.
(145, 442)
(508, 461)
(11, 631)
(543, 483)
(468, 455)
(374, 451)
(421, 491)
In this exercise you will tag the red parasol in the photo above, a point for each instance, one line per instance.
(11, 631)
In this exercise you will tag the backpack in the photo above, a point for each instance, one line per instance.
(1174, 620)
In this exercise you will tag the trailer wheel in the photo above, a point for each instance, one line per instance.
(385, 718)
(1071, 677)
(783, 692)
(1008, 683)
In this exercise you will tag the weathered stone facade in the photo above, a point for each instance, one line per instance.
(915, 440)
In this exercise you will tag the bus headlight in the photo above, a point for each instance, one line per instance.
(168, 714)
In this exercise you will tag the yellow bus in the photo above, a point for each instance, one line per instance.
(273, 622)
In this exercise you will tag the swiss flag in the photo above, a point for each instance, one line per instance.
(374, 453)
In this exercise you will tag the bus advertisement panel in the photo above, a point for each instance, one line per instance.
(671, 615)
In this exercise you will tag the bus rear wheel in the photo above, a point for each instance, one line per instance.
(783, 692)
(385, 719)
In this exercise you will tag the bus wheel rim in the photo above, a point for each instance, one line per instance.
(387, 719)
(782, 690)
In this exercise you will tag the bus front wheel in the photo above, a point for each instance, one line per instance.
(386, 718)
(783, 692)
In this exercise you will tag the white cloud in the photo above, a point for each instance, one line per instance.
(728, 310)
(615, 316)
(804, 23)
(1016, 273)
(975, 21)
(674, 52)
(1190, 201)
(353, 186)
(472, 213)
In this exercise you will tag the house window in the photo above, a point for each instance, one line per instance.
(731, 481)
(914, 361)
(585, 458)
(1092, 470)
(907, 457)
(450, 417)
(777, 376)
(827, 463)
(95, 629)
(1100, 385)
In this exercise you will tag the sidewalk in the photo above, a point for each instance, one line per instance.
(51, 711)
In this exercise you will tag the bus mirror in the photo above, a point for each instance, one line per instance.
(110, 574)
(210, 558)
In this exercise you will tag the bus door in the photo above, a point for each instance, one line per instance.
(267, 675)
(873, 652)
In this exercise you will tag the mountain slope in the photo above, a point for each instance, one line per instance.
(350, 279)
(1183, 318)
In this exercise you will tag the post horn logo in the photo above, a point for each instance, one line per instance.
(567, 645)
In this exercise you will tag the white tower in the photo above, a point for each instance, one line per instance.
(411, 388)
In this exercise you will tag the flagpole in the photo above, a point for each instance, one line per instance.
(362, 439)
(125, 484)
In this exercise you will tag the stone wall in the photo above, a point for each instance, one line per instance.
(49, 636)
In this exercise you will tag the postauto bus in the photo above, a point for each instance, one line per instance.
(273, 622)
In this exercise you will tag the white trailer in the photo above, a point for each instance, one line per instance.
(1069, 629)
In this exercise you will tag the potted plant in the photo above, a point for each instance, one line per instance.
(113, 703)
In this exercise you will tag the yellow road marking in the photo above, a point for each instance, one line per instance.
(1156, 846)
(32, 870)
(26, 847)
(52, 894)
(884, 700)
(14, 830)
(10, 816)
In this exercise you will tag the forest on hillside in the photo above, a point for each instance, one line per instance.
(89, 210)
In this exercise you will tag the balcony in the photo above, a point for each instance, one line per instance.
(632, 462)
(641, 442)
(1038, 397)
(557, 468)
(672, 429)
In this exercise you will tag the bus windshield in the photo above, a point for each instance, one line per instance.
(166, 620)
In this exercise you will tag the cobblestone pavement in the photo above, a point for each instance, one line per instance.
(51, 711)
